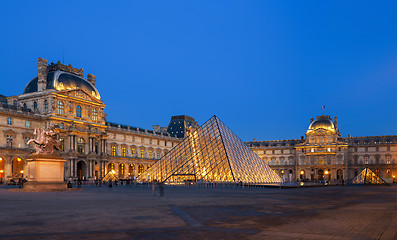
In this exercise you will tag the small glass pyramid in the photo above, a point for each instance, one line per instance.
(212, 153)
(110, 177)
(367, 176)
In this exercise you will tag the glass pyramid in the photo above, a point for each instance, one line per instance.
(367, 176)
(110, 177)
(212, 153)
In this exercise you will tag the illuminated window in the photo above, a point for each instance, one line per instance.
(80, 145)
(123, 151)
(388, 159)
(9, 121)
(121, 170)
(94, 114)
(131, 170)
(312, 149)
(140, 169)
(329, 149)
(45, 106)
(27, 124)
(365, 159)
(150, 153)
(142, 153)
(78, 111)
(110, 167)
(113, 150)
(61, 107)
(132, 152)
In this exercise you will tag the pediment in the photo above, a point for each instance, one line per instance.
(80, 94)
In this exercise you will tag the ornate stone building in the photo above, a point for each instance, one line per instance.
(92, 146)
(325, 155)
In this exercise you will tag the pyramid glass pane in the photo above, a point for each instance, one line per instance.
(367, 176)
(213, 153)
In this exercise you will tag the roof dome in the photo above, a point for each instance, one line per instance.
(322, 122)
(61, 80)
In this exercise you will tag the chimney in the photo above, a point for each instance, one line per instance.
(254, 139)
(41, 74)
(336, 122)
(91, 78)
(311, 120)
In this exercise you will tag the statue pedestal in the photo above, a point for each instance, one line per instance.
(45, 173)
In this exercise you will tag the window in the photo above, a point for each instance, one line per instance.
(80, 145)
(273, 151)
(94, 114)
(388, 149)
(62, 144)
(96, 147)
(35, 105)
(388, 159)
(140, 169)
(27, 124)
(123, 151)
(365, 159)
(121, 170)
(131, 170)
(62, 126)
(9, 121)
(377, 149)
(158, 155)
(142, 153)
(113, 150)
(366, 149)
(132, 152)
(61, 107)
(355, 149)
(45, 106)
(78, 111)
(9, 140)
(282, 151)
(150, 153)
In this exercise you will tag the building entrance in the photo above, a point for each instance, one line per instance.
(320, 175)
(82, 170)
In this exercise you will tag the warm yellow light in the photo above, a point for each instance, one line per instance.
(393, 176)
(18, 159)
(21, 171)
(1, 158)
(113, 171)
(302, 172)
(326, 172)
(282, 171)
(1, 171)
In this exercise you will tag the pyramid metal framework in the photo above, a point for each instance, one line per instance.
(212, 153)
(110, 177)
(367, 176)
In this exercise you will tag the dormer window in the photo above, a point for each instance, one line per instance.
(61, 107)
(78, 111)
(94, 114)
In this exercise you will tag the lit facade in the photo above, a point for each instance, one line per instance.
(60, 95)
(325, 155)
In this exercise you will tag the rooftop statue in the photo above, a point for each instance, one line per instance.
(45, 140)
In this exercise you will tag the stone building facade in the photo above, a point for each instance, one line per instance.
(60, 95)
(324, 155)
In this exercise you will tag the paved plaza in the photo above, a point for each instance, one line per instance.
(127, 212)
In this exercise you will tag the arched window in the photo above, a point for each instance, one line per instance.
(121, 170)
(150, 153)
(45, 106)
(78, 111)
(17, 167)
(142, 153)
(61, 107)
(110, 167)
(80, 145)
(94, 114)
(140, 169)
(131, 170)
(35, 105)
(132, 152)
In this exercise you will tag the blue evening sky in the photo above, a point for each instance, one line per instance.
(263, 67)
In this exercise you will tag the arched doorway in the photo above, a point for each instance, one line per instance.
(320, 175)
(339, 174)
(17, 167)
(81, 170)
(140, 169)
